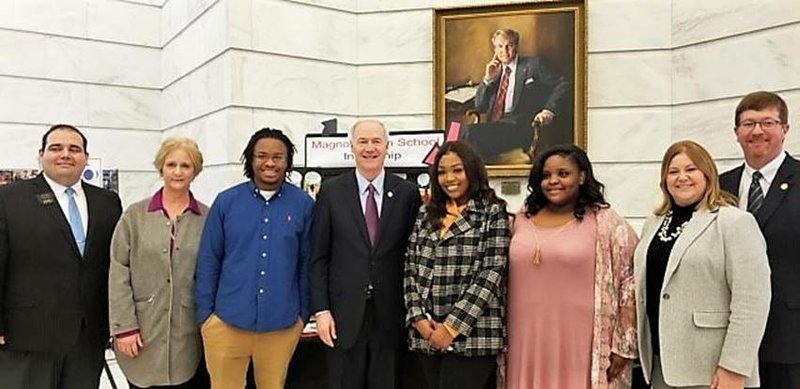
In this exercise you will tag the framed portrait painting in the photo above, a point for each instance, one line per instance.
(511, 79)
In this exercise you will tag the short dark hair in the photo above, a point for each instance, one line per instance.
(757, 101)
(266, 133)
(477, 176)
(590, 193)
(66, 127)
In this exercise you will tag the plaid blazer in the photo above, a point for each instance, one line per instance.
(459, 279)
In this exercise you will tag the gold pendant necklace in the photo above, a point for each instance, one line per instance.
(537, 255)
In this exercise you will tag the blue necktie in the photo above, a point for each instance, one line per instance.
(75, 220)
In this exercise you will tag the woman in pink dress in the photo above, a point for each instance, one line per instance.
(571, 318)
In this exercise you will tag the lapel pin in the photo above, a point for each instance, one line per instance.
(389, 194)
(784, 186)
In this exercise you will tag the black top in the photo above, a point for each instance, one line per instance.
(657, 257)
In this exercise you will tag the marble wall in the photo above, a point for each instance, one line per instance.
(135, 71)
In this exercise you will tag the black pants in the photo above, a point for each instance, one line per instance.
(779, 375)
(446, 371)
(368, 364)
(77, 368)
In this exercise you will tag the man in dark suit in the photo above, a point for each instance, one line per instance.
(518, 91)
(55, 233)
(361, 226)
(768, 185)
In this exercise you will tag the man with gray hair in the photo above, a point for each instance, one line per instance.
(360, 233)
(518, 91)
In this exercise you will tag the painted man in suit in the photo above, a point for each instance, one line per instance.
(768, 185)
(518, 91)
(361, 227)
(55, 233)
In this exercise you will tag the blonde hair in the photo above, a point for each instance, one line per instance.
(714, 197)
(179, 143)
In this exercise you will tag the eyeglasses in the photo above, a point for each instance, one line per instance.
(766, 124)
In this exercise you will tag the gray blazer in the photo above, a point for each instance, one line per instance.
(715, 298)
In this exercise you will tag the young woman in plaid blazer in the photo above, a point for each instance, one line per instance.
(454, 273)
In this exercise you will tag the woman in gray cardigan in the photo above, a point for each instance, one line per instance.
(702, 281)
(151, 280)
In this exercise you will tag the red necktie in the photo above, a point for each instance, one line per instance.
(500, 101)
(371, 214)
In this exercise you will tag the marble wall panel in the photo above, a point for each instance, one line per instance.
(324, 33)
(342, 5)
(23, 53)
(734, 66)
(199, 42)
(25, 141)
(177, 14)
(697, 21)
(278, 82)
(200, 92)
(40, 101)
(123, 107)
(64, 17)
(629, 79)
(395, 37)
(628, 134)
(631, 188)
(123, 22)
(619, 25)
(395, 89)
(137, 185)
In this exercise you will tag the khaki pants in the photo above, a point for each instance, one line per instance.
(228, 352)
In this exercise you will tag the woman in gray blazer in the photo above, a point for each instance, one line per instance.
(702, 281)
(151, 279)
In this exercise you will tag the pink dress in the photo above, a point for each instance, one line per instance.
(551, 305)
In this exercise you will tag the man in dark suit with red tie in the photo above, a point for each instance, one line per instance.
(361, 226)
(768, 186)
(55, 233)
(518, 91)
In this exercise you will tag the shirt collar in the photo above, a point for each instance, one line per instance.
(157, 203)
(769, 171)
(513, 64)
(251, 186)
(377, 182)
(59, 189)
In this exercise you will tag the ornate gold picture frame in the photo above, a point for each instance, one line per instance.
(548, 74)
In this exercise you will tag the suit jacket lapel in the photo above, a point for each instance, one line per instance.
(730, 181)
(93, 212)
(48, 199)
(519, 82)
(353, 200)
(777, 191)
(697, 224)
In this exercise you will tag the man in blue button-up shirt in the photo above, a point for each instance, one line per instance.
(252, 269)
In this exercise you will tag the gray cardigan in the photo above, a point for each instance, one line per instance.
(150, 292)
(715, 298)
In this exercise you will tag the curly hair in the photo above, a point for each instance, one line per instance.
(590, 193)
